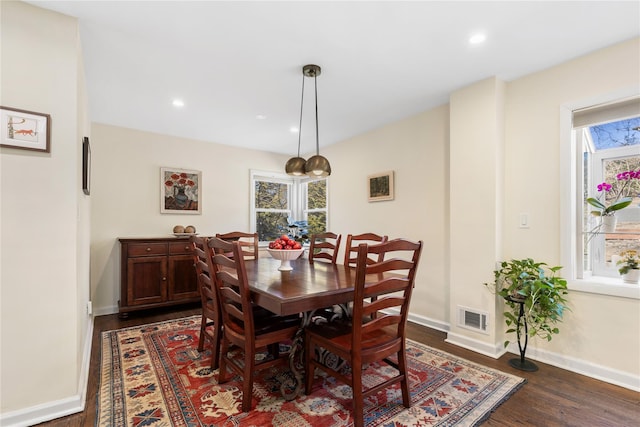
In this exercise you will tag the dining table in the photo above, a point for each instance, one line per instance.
(308, 289)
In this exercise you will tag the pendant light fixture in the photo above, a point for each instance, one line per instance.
(295, 165)
(317, 166)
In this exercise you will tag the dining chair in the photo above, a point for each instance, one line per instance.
(248, 242)
(351, 248)
(363, 340)
(353, 241)
(211, 323)
(324, 246)
(243, 326)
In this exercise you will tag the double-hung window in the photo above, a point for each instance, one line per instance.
(280, 200)
(607, 163)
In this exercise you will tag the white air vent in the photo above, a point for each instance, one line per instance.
(472, 319)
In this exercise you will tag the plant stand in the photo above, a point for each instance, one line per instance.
(521, 363)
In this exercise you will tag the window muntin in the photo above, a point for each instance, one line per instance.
(279, 200)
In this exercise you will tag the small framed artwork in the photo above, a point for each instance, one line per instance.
(180, 191)
(25, 129)
(381, 186)
(86, 166)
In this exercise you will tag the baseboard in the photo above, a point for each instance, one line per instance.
(487, 349)
(58, 408)
(582, 367)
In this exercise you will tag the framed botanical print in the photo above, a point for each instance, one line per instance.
(381, 186)
(180, 191)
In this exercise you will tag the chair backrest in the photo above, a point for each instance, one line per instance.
(324, 246)
(354, 240)
(204, 268)
(234, 297)
(392, 292)
(248, 242)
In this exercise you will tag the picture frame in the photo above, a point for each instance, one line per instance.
(26, 130)
(180, 191)
(86, 166)
(380, 186)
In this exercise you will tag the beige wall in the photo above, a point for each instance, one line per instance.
(43, 207)
(125, 194)
(44, 221)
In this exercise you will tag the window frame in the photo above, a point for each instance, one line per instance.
(572, 201)
(297, 197)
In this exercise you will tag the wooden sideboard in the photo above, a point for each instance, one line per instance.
(156, 272)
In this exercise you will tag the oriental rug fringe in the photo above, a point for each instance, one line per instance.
(153, 375)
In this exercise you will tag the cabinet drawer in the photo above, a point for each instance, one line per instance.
(146, 249)
(180, 248)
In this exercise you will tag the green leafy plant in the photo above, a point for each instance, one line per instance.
(629, 261)
(541, 290)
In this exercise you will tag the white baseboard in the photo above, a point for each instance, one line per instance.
(582, 367)
(59, 408)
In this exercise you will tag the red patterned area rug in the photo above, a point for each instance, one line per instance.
(153, 375)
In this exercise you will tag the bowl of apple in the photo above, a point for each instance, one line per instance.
(285, 249)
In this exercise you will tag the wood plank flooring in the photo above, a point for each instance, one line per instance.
(552, 396)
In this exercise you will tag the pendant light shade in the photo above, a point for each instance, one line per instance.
(295, 166)
(317, 166)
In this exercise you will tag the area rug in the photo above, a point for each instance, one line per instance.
(153, 375)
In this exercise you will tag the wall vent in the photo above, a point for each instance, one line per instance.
(472, 319)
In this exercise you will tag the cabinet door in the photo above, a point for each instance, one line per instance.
(146, 280)
(182, 278)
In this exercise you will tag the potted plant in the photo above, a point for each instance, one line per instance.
(535, 302)
(629, 266)
(612, 198)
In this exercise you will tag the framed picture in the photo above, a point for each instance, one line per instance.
(25, 129)
(86, 166)
(381, 186)
(180, 191)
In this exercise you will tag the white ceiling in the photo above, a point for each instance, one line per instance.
(381, 61)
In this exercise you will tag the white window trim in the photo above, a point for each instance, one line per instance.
(297, 196)
(570, 199)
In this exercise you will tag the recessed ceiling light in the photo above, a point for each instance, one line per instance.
(261, 117)
(178, 103)
(293, 129)
(477, 38)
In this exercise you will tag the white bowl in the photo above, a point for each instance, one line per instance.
(285, 256)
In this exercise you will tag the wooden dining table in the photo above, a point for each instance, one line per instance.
(306, 289)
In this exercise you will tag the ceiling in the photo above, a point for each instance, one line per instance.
(231, 62)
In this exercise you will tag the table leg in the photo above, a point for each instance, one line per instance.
(296, 355)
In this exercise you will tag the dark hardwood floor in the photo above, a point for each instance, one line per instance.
(551, 397)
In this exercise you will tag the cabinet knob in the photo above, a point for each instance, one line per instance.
(148, 249)
(164, 279)
(186, 248)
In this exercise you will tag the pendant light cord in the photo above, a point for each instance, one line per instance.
(300, 125)
(315, 81)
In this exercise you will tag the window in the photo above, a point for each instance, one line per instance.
(280, 200)
(607, 158)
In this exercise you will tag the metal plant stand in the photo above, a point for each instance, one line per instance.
(521, 363)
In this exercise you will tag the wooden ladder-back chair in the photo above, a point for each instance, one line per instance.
(211, 324)
(365, 340)
(324, 246)
(353, 241)
(248, 242)
(243, 326)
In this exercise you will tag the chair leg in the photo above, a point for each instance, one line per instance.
(247, 381)
(404, 384)
(203, 327)
(222, 373)
(215, 347)
(358, 399)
